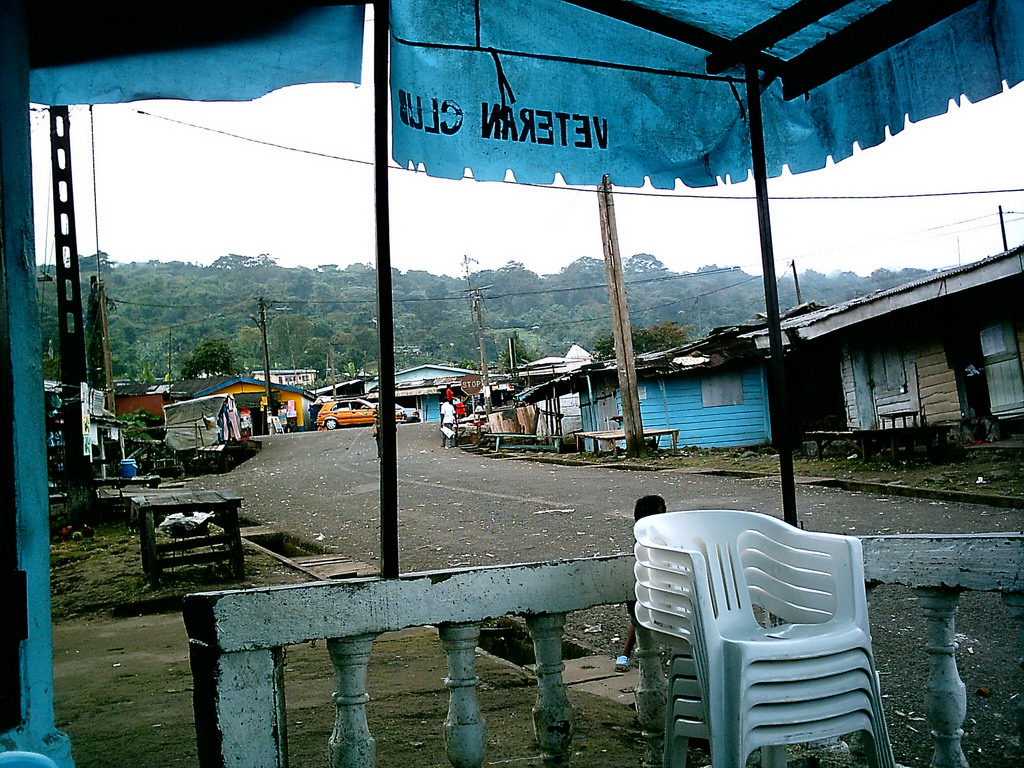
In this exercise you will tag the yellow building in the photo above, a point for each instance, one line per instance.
(293, 402)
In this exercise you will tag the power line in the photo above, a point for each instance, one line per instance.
(261, 142)
(631, 192)
(191, 322)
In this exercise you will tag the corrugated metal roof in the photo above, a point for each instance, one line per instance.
(984, 271)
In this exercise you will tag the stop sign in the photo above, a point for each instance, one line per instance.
(471, 384)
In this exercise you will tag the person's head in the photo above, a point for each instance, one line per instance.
(648, 505)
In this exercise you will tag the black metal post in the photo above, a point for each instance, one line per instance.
(777, 393)
(387, 435)
(77, 475)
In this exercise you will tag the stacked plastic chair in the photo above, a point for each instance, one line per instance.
(769, 630)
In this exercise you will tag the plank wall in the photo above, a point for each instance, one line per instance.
(940, 403)
(675, 403)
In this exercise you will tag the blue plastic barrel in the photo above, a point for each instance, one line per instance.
(129, 468)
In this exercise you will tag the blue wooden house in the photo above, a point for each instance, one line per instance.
(421, 387)
(711, 407)
(714, 391)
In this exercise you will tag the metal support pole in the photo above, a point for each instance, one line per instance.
(777, 394)
(389, 567)
(77, 449)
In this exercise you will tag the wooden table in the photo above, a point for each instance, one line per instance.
(150, 509)
(871, 442)
(611, 437)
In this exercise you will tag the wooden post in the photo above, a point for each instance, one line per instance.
(478, 302)
(262, 303)
(621, 331)
(108, 362)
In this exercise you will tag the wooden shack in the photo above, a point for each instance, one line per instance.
(945, 349)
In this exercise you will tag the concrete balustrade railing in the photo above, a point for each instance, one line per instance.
(237, 641)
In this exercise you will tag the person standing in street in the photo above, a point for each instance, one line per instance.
(645, 507)
(447, 424)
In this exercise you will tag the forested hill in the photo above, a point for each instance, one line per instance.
(160, 310)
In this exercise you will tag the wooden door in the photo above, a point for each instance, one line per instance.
(1002, 369)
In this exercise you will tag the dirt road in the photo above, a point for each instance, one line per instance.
(461, 509)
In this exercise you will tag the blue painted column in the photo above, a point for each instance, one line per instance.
(24, 518)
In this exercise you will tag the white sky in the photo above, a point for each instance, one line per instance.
(171, 192)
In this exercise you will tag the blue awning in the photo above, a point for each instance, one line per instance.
(311, 45)
(540, 87)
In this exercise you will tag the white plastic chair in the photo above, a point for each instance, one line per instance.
(25, 760)
(769, 625)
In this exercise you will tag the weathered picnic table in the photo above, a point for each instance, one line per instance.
(871, 442)
(152, 508)
(610, 438)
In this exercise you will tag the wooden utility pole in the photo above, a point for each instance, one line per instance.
(622, 334)
(334, 374)
(108, 360)
(478, 304)
(796, 283)
(262, 303)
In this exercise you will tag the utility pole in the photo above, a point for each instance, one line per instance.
(622, 334)
(1002, 229)
(74, 410)
(513, 363)
(262, 303)
(796, 283)
(478, 305)
(108, 361)
(334, 374)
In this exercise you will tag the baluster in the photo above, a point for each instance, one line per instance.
(464, 728)
(1015, 602)
(946, 697)
(651, 692)
(552, 713)
(350, 744)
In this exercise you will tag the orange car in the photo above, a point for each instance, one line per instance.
(345, 413)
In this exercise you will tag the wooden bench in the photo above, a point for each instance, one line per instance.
(151, 509)
(872, 442)
(556, 440)
(611, 437)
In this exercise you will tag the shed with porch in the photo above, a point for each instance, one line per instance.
(941, 350)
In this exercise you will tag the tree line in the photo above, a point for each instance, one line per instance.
(160, 311)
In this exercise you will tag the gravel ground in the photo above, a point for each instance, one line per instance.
(461, 509)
